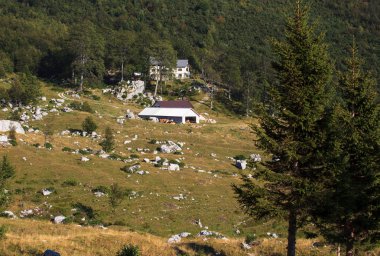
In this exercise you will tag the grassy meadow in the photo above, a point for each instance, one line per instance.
(150, 214)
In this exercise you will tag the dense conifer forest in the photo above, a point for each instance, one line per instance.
(226, 40)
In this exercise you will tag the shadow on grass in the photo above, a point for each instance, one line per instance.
(200, 249)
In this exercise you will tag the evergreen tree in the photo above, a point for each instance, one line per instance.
(12, 136)
(6, 172)
(349, 209)
(89, 125)
(116, 196)
(108, 144)
(292, 130)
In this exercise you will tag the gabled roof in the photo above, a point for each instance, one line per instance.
(173, 104)
(182, 63)
(168, 112)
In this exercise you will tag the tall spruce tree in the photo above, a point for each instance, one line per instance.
(349, 209)
(6, 172)
(293, 129)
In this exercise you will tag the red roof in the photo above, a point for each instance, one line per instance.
(173, 104)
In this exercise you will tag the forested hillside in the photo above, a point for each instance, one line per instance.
(228, 40)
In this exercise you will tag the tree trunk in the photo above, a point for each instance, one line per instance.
(122, 71)
(247, 103)
(81, 82)
(338, 250)
(292, 231)
(212, 97)
(350, 248)
(350, 238)
(157, 78)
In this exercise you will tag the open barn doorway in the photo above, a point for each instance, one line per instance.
(190, 119)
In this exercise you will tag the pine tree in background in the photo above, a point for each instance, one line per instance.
(6, 172)
(293, 131)
(349, 209)
(108, 144)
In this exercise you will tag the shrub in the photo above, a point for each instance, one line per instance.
(70, 183)
(15, 116)
(129, 250)
(115, 156)
(240, 157)
(108, 144)
(250, 238)
(12, 136)
(95, 97)
(89, 125)
(48, 145)
(153, 141)
(36, 145)
(134, 156)
(87, 108)
(81, 106)
(84, 209)
(67, 149)
(101, 188)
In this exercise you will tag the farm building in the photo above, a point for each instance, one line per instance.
(180, 71)
(171, 112)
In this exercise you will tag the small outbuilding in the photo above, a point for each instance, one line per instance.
(171, 112)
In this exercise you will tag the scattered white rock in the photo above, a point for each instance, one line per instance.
(173, 167)
(99, 194)
(241, 164)
(59, 219)
(7, 125)
(255, 157)
(26, 213)
(245, 246)
(84, 159)
(46, 192)
(170, 147)
(9, 214)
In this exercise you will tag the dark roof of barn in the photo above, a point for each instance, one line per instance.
(173, 104)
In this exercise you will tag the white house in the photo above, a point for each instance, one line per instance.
(171, 111)
(181, 71)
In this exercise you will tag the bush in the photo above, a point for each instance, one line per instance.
(81, 106)
(153, 141)
(15, 116)
(36, 145)
(87, 108)
(12, 137)
(108, 144)
(250, 238)
(67, 149)
(84, 211)
(134, 156)
(95, 97)
(240, 157)
(70, 183)
(89, 125)
(101, 188)
(48, 145)
(129, 250)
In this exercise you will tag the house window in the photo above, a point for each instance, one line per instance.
(187, 69)
(179, 69)
(179, 76)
